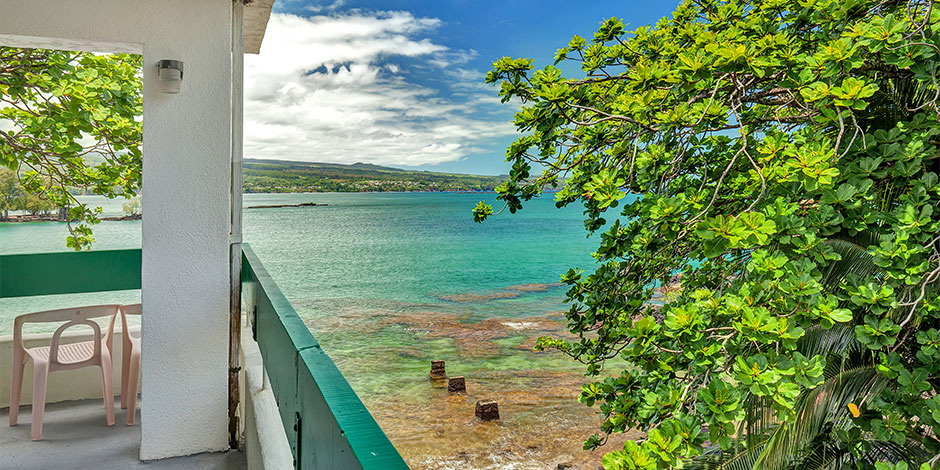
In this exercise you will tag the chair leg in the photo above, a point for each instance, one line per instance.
(40, 378)
(107, 387)
(133, 378)
(16, 386)
(125, 366)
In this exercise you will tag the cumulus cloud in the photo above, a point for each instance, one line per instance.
(336, 88)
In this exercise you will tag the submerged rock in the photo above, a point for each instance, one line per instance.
(533, 287)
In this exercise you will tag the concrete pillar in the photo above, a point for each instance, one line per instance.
(185, 229)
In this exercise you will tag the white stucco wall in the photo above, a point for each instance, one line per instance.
(187, 177)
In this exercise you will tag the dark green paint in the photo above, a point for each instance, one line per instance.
(69, 272)
(326, 423)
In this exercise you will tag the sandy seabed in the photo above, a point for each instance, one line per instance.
(542, 423)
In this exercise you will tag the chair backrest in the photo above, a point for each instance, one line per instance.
(71, 317)
(130, 309)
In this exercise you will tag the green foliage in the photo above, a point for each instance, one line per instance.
(36, 205)
(827, 433)
(132, 207)
(64, 107)
(13, 197)
(783, 156)
(11, 192)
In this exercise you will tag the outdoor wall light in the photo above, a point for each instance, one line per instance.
(171, 75)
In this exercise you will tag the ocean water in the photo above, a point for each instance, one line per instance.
(388, 282)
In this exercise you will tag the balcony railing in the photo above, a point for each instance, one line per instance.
(326, 423)
(69, 272)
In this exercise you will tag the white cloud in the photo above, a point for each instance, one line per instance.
(331, 7)
(325, 88)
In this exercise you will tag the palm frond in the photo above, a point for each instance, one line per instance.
(911, 452)
(818, 411)
(736, 458)
(898, 95)
(855, 259)
(826, 455)
(840, 340)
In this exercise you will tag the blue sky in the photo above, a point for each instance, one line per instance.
(400, 83)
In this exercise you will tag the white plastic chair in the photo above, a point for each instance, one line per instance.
(58, 356)
(130, 365)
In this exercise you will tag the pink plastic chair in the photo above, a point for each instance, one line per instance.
(58, 356)
(130, 366)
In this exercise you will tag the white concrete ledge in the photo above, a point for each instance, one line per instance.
(266, 445)
(64, 385)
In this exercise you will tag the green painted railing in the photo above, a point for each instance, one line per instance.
(327, 425)
(69, 272)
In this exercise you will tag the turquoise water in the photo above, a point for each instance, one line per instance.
(388, 282)
(411, 247)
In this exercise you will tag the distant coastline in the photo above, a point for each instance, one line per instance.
(310, 191)
(25, 218)
(276, 176)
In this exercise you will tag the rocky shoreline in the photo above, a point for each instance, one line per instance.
(56, 218)
(274, 206)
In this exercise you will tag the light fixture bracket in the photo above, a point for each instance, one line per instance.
(170, 73)
(171, 64)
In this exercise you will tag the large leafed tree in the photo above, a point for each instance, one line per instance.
(70, 121)
(781, 159)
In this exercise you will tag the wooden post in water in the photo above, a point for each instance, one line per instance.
(487, 410)
(437, 370)
(456, 385)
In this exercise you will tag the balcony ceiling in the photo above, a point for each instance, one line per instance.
(257, 13)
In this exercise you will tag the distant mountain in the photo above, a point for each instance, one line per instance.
(279, 176)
